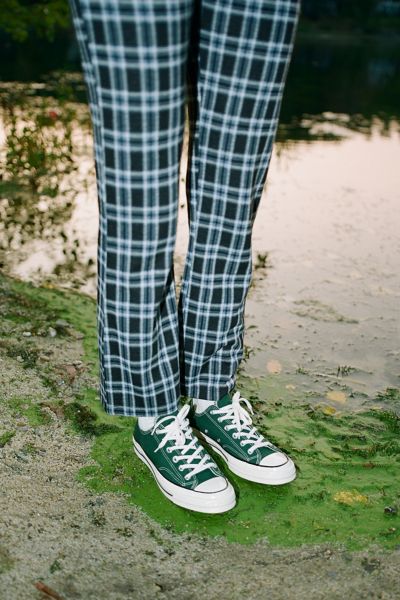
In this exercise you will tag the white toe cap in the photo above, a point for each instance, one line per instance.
(216, 484)
(276, 459)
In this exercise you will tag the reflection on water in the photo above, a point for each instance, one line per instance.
(46, 165)
(330, 222)
(344, 76)
(325, 294)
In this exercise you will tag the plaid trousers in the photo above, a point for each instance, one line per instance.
(144, 61)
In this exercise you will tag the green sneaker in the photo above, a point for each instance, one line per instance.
(184, 471)
(227, 427)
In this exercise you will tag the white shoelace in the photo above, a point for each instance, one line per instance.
(239, 419)
(179, 430)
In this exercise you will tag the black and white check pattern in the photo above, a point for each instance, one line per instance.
(142, 59)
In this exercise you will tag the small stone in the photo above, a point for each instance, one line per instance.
(27, 333)
(69, 371)
(62, 323)
(370, 565)
(21, 456)
(78, 335)
(52, 332)
(63, 327)
(391, 510)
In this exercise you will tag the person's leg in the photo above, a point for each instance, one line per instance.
(134, 55)
(244, 50)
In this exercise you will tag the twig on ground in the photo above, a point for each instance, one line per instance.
(45, 589)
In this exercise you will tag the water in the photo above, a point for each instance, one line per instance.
(330, 223)
(323, 311)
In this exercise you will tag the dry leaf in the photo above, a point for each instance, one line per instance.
(350, 497)
(329, 410)
(274, 366)
(336, 396)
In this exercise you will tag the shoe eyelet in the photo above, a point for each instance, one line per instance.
(241, 443)
(250, 451)
(212, 412)
(186, 477)
(225, 428)
(174, 459)
(235, 436)
(180, 468)
(169, 450)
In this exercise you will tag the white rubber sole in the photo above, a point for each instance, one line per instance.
(205, 502)
(277, 475)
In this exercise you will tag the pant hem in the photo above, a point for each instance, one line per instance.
(134, 412)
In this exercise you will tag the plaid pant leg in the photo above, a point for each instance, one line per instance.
(244, 51)
(134, 56)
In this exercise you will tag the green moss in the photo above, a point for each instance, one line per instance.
(27, 408)
(85, 420)
(21, 307)
(6, 562)
(25, 353)
(6, 437)
(391, 395)
(55, 566)
(354, 460)
(40, 307)
(29, 448)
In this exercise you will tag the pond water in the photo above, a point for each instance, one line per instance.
(322, 313)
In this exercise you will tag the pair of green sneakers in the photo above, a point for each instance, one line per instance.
(186, 473)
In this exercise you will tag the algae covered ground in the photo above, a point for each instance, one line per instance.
(62, 457)
(347, 489)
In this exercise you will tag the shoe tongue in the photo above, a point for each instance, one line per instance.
(224, 401)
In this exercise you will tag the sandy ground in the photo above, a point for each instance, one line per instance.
(56, 532)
